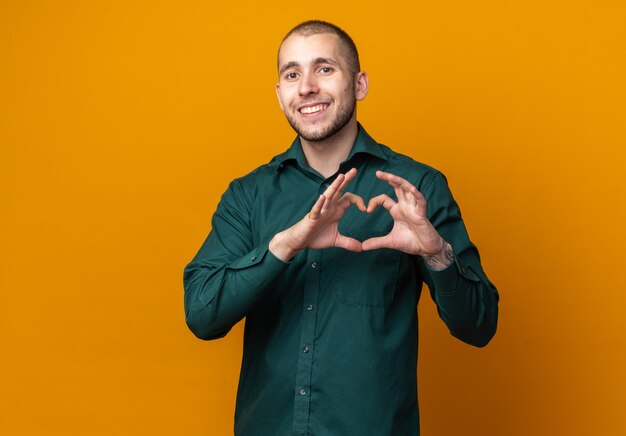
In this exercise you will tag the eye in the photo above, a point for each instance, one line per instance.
(291, 75)
(326, 70)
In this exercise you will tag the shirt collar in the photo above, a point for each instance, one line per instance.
(363, 143)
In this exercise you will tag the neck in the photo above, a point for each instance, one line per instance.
(326, 156)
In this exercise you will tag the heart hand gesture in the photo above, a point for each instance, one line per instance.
(412, 232)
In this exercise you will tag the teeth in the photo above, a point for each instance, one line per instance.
(313, 109)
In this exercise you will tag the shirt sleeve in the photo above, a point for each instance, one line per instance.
(229, 274)
(466, 300)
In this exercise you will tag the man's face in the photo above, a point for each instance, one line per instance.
(315, 88)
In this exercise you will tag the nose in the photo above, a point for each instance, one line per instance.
(308, 85)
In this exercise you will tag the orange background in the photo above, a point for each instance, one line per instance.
(121, 123)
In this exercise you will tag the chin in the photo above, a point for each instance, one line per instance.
(315, 134)
(312, 133)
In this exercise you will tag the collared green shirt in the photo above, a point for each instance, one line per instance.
(330, 342)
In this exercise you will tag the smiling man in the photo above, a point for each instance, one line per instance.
(329, 280)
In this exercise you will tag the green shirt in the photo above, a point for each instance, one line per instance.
(330, 342)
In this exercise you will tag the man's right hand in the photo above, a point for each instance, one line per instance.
(319, 228)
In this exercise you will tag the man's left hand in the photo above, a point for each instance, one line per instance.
(412, 232)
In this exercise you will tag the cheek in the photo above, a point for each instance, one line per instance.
(283, 102)
(285, 97)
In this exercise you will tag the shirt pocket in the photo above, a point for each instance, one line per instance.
(369, 278)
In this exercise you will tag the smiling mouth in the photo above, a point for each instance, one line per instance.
(313, 109)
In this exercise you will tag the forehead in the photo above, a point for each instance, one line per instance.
(304, 50)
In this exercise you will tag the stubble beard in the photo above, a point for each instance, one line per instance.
(343, 117)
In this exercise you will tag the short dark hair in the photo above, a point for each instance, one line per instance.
(314, 27)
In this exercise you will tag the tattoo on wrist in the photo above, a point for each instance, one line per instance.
(441, 260)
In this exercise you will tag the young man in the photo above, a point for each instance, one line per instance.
(329, 291)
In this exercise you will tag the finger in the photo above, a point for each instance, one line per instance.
(382, 199)
(347, 177)
(399, 192)
(402, 187)
(417, 196)
(391, 177)
(317, 207)
(332, 189)
(351, 198)
(350, 244)
(376, 243)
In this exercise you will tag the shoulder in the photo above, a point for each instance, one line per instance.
(261, 173)
(246, 186)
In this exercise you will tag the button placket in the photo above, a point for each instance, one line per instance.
(310, 307)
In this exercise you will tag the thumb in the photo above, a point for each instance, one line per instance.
(376, 243)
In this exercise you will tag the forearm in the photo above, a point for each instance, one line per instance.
(219, 296)
(466, 302)
(466, 299)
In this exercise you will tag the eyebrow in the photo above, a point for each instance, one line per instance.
(316, 61)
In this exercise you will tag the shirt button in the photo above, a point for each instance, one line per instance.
(326, 185)
(305, 349)
(253, 258)
(309, 307)
(314, 265)
(302, 392)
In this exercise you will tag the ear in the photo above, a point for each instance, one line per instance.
(280, 103)
(361, 85)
